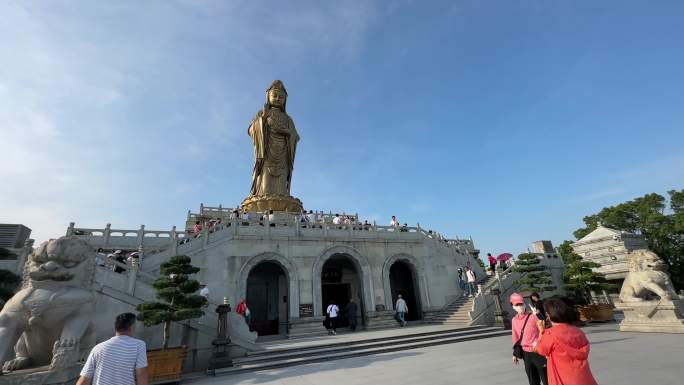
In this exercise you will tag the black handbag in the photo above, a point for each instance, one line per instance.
(517, 348)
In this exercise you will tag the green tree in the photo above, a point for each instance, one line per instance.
(535, 276)
(9, 282)
(662, 226)
(567, 253)
(581, 279)
(175, 291)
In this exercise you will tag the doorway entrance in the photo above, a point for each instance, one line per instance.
(402, 282)
(267, 299)
(340, 282)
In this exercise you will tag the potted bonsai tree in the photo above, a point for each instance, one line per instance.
(581, 279)
(177, 302)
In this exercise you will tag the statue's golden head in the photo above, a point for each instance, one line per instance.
(67, 259)
(644, 260)
(276, 95)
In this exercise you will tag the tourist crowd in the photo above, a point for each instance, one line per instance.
(307, 219)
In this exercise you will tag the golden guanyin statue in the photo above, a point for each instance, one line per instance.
(275, 143)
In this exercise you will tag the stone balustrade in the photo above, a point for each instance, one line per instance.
(284, 224)
(127, 239)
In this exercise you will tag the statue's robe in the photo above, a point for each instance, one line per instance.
(261, 137)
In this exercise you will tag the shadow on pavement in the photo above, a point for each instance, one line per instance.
(316, 367)
(613, 340)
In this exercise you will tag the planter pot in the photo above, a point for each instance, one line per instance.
(595, 312)
(165, 365)
(584, 313)
(602, 312)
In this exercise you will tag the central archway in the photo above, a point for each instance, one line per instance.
(362, 269)
(341, 284)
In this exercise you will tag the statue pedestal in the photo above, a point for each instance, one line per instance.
(653, 316)
(42, 376)
(272, 202)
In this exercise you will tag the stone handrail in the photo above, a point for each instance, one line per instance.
(109, 238)
(497, 280)
(481, 304)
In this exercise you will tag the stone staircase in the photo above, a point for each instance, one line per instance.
(457, 313)
(327, 348)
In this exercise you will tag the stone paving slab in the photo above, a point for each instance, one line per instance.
(616, 358)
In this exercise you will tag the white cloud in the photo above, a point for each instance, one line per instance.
(105, 108)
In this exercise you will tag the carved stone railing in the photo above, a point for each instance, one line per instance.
(127, 239)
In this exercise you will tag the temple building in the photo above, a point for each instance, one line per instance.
(288, 270)
(609, 248)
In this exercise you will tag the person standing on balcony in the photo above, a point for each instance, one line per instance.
(394, 222)
(401, 308)
(120, 259)
(337, 220)
(470, 276)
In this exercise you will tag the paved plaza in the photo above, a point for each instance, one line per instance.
(616, 358)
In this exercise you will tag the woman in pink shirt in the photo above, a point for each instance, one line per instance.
(565, 346)
(535, 365)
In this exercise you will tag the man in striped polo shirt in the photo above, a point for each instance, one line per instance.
(121, 360)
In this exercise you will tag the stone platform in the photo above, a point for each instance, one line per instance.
(41, 376)
(653, 316)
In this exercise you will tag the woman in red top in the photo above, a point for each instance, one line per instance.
(565, 347)
(492, 262)
(243, 310)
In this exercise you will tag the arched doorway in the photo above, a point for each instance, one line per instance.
(403, 281)
(267, 298)
(341, 282)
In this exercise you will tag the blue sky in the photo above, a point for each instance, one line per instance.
(504, 121)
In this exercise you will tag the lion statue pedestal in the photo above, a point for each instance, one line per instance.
(648, 299)
(653, 316)
(46, 329)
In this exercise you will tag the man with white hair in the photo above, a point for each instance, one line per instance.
(401, 309)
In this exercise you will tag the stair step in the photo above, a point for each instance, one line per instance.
(363, 350)
(361, 341)
(358, 345)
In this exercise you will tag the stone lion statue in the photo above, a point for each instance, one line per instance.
(49, 321)
(647, 274)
